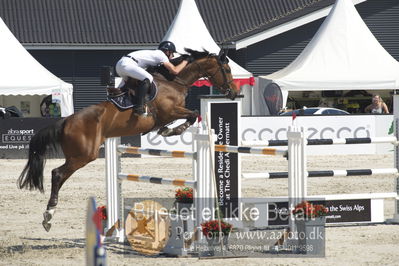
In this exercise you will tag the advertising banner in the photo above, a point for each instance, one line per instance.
(16, 134)
(318, 127)
(339, 211)
(224, 122)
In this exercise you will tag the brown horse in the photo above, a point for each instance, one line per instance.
(81, 134)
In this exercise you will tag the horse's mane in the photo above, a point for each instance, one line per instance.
(197, 54)
(177, 60)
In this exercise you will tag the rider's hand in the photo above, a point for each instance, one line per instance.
(188, 58)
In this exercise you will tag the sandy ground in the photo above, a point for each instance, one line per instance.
(23, 241)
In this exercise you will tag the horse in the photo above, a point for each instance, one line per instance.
(81, 134)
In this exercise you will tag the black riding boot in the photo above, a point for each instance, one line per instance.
(141, 90)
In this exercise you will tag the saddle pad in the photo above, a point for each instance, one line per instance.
(124, 101)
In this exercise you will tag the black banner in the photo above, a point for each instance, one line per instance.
(339, 211)
(355, 210)
(16, 133)
(225, 122)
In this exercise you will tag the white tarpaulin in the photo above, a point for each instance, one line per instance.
(188, 30)
(21, 74)
(343, 55)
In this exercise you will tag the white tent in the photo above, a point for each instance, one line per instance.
(21, 74)
(188, 30)
(343, 55)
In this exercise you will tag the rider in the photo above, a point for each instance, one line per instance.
(135, 63)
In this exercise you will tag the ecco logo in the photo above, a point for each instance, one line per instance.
(154, 139)
(313, 133)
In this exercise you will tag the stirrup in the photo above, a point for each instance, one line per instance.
(140, 111)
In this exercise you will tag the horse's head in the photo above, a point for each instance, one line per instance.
(217, 70)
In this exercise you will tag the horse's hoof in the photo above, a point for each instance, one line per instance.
(48, 215)
(46, 225)
(165, 132)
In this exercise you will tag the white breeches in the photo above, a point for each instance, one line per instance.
(127, 67)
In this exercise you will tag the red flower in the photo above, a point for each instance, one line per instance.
(211, 228)
(184, 195)
(306, 209)
(102, 211)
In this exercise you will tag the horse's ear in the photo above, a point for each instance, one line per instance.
(223, 56)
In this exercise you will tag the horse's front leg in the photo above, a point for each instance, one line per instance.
(179, 113)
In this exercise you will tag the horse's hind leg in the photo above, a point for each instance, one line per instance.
(58, 177)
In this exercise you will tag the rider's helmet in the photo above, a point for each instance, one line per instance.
(167, 46)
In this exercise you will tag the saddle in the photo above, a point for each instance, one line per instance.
(124, 98)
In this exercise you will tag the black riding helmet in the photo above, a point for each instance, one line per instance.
(167, 46)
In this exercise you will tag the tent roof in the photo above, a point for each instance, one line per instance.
(343, 54)
(21, 74)
(189, 30)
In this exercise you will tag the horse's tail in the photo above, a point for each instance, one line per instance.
(42, 142)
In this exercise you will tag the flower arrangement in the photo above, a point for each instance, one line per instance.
(211, 228)
(307, 210)
(184, 195)
(102, 211)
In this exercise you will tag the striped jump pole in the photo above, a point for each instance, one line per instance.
(250, 150)
(270, 143)
(158, 180)
(155, 152)
(324, 173)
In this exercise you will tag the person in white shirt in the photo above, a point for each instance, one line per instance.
(134, 65)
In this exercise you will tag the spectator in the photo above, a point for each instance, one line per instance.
(377, 106)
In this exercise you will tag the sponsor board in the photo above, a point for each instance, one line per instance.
(275, 128)
(339, 211)
(16, 133)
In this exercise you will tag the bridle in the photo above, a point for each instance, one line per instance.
(226, 83)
